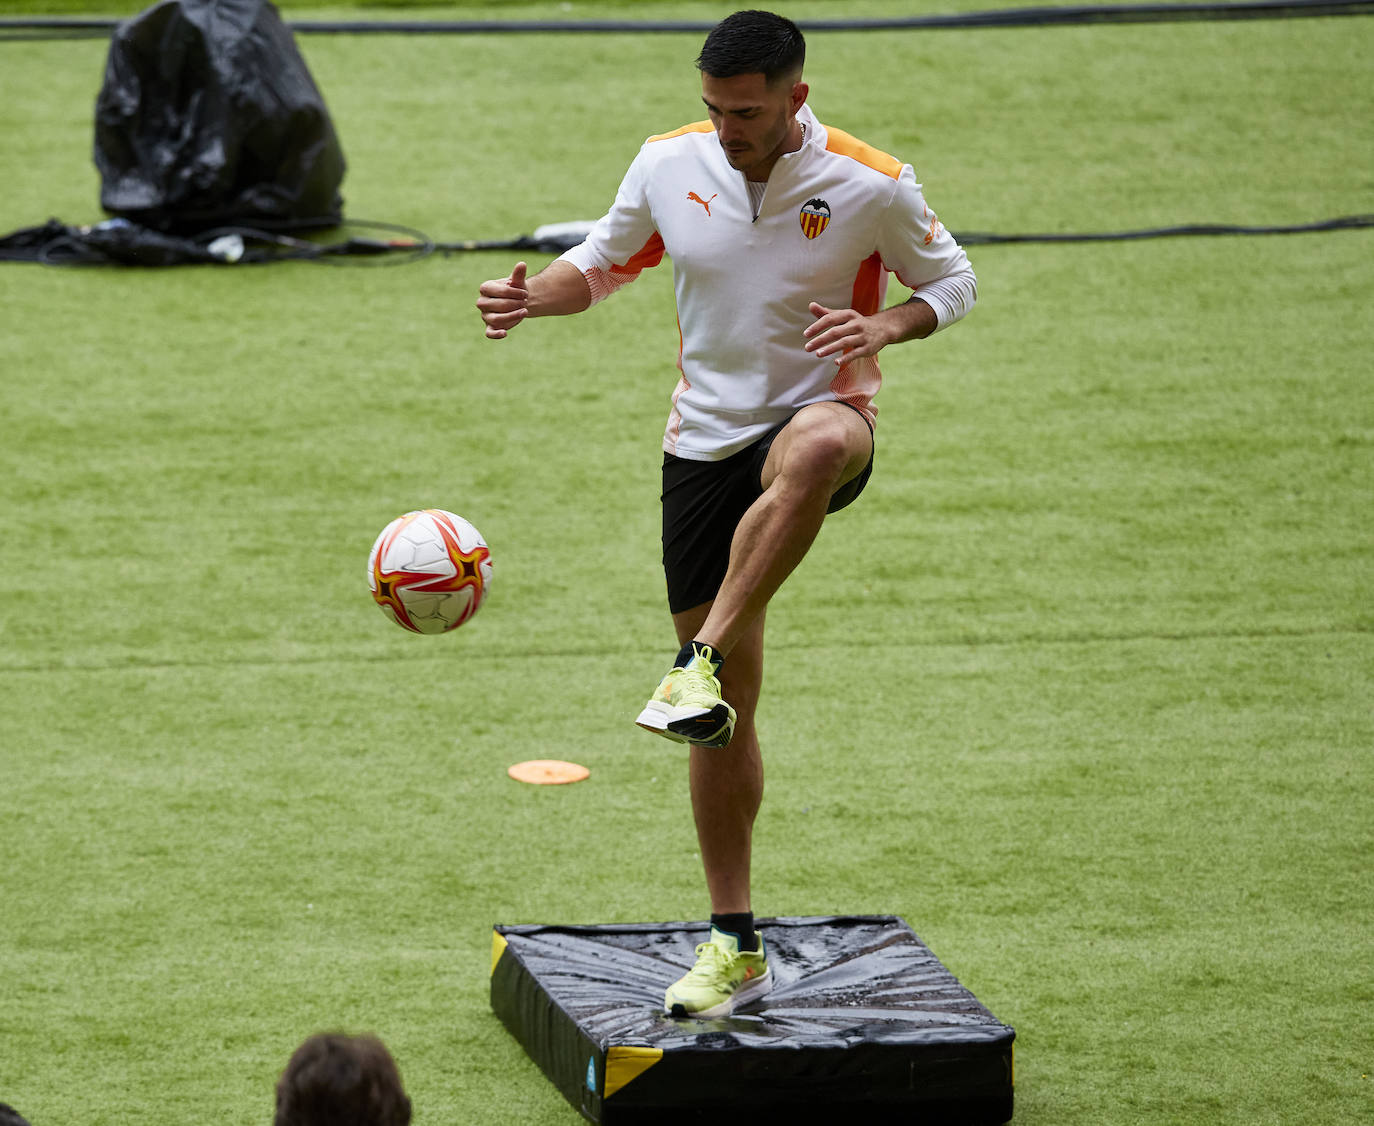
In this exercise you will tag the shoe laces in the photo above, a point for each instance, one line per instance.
(700, 673)
(713, 962)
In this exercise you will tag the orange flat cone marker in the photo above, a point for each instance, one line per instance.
(548, 772)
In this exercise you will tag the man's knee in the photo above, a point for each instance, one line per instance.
(825, 445)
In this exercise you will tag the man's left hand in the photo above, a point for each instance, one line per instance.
(845, 334)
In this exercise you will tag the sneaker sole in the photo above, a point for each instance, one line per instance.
(760, 987)
(651, 719)
(712, 728)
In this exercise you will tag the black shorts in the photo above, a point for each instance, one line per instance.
(703, 502)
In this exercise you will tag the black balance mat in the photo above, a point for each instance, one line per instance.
(862, 1016)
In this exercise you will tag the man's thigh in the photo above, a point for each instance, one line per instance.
(838, 430)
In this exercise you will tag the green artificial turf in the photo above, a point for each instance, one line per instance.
(1080, 688)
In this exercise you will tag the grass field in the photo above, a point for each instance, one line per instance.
(1081, 688)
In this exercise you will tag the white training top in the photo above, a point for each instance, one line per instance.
(836, 217)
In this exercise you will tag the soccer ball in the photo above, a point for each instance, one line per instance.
(429, 571)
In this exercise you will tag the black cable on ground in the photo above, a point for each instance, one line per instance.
(1345, 223)
(20, 28)
(118, 242)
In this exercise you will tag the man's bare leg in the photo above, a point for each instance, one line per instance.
(727, 782)
(823, 447)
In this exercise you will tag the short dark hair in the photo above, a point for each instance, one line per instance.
(753, 42)
(338, 1080)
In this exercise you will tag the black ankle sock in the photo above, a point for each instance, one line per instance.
(688, 651)
(741, 926)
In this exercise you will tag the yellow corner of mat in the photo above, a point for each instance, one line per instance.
(625, 1064)
(498, 946)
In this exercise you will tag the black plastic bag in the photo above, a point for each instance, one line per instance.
(209, 117)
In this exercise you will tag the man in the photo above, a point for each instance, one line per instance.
(781, 232)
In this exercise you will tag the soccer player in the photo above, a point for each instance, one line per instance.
(782, 232)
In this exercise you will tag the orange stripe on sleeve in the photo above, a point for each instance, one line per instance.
(842, 144)
(694, 127)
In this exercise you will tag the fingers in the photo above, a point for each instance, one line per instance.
(842, 333)
(503, 302)
(819, 332)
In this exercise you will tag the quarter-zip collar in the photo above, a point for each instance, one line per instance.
(788, 161)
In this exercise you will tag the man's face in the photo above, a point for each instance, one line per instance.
(753, 119)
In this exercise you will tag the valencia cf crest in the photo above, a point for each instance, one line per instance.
(815, 214)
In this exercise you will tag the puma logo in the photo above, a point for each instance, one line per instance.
(706, 203)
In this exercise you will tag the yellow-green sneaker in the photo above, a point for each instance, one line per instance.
(724, 978)
(686, 706)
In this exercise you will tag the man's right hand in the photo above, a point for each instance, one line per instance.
(504, 302)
